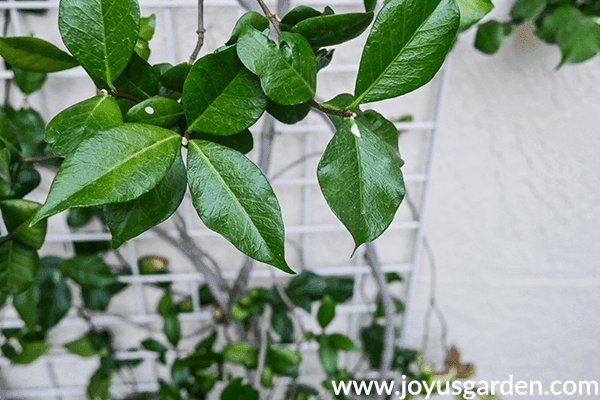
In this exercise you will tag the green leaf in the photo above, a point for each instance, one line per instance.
(120, 165)
(82, 347)
(147, 26)
(288, 114)
(174, 77)
(88, 271)
(128, 220)
(329, 30)
(33, 54)
(172, 328)
(223, 183)
(80, 217)
(327, 355)
(340, 289)
(287, 71)
(18, 266)
(168, 392)
(391, 277)
(471, 11)
(523, 10)
(236, 391)
(340, 342)
(17, 214)
(241, 353)
(361, 181)
(577, 35)
(298, 14)
(159, 111)
(3, 297)
(284, 361)
(30, 132)
(242, 142)
(305, 288)
(101, 34)
(406, 47)
(398, 307)
(384, 129)
(153, 345)
(25, 178)
(99, 386)
(139, 79)
(26, 305)
(8, 130)
(249, 19)
(80, 121)
(5, 166)
(326, 311)
(98, 299)
(28, 81)
(324, 58)
(32, 350)
(220, 96)
(370, 5)
(489, 37)
(283, 325)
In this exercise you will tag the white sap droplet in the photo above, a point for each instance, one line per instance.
(355, 130)
(149, 110)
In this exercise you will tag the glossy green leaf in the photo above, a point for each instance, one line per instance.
(489, 37)
(88, 271)
(370, 5)
(159, 111)
(119, 165)
(8, 130)
(172, 328)
(153, 345)
(361, 180)
(174, 77)
(101, 34)
(17, 214)
(523, 10)
(139, 79)
(82, 347)
(242, 142)
(234, 198)
(241, 353)
(329, 30)
(25, 178)
(284, 361)
(80, 121)
(5, 158)
(406, 47)
(147, 27)
(220, 95)
(324, 57)
(383, 128)
(337, 341)
(249, 19)
(30, 132)
(33, 54)
(18, 266)
(283, 325)
(98, 299)
(32, 350)
(327, 355)
(28, 81)
(576, 34)
(298, 14)
(235, 390)
(129, 219)
(471, 11)
(288, 114)
(326, 311)
(287, 71)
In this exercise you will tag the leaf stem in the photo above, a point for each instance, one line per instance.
(39, 159)
(331, 111)
(270, 16)
(116, 93)
(200, 32)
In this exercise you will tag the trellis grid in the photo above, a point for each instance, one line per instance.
(306, 229)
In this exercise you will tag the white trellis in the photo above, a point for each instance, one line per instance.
(402, 253)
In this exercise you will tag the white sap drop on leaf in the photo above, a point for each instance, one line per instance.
(149, 110)
(355, 131)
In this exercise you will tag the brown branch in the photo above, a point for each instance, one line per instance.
(270, 16)
(39, 159)
(116, 93)
(200, 31)
(331, 111)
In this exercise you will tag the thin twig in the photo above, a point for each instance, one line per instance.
(331, 111)
(270, 16)
(39, 159)
(116, 93)
(262, 355)
(200, 31)
(213, 280)
(388, 312)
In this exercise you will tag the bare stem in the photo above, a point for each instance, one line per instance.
(388, 312)
(39, 159)
(271, 17)
(331, 111)
(262, 355)
(200, 31)
(116, 93)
